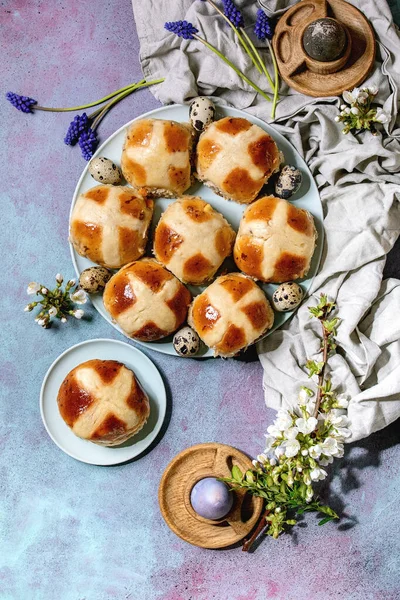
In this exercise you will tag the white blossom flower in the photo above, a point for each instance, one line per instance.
(279, 451)
(337, 119)
(309, 494)
(283, 421)
(339, 421)
(79, 297)
(78, 314)
(354, 110)
(274, 431)
(362, 97)
(343, 106)
(41, 322)
(315, 451)
(342, 400)
(318, 474)
(381, 116)
(373, 89)
(63, 320)
(32, 288)
(351, 97)
(325, 461)
(269, 440)
(273, 462)
(329, 446)
(307, 478)
(291, 433)
(53, 311)
(44, 291)
(306, 425)
(254, 463)
(27, 308)
(291, 447)
(59, 278)
(278, 509)
(304, 452)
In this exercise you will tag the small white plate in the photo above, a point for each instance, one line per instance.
(104, 349)
(307, 197)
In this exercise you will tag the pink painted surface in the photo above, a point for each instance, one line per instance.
(70, 531)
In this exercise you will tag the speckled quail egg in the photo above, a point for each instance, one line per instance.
(94, 279)
(289, 181)
(201, 113)
(186, 342)
(104, 170)
(287, 296)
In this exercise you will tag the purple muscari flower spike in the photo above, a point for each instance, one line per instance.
(88, 143)
(22, 103)
(182, 29)
(263, 27)
(233, 13)
(80, 124)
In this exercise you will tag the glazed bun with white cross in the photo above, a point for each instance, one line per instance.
(103, 402)
(232, 313)
(110, 225)
(157, 157)
(235, 158)
(192, 240)
(147, 301)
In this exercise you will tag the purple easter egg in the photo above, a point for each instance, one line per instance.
(211, 498)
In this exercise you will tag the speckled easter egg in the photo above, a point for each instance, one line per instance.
(287, 296)
(325, 39)
(94, 279)
(104, 170)
(211, 498)
(289, 181)
(186, 342)
(201, 113)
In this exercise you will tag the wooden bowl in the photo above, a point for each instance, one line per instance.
(182, 473)
(315, 78)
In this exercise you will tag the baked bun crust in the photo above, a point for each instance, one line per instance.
(157, 157)
(236, 158)
(146, 300)
(103, 402)
(232, 313)
(110, 224)
(192, 240)
(275, 241)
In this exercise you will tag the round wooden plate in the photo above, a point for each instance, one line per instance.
(182, 473)
(299, 71)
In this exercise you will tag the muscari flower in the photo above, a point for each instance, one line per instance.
(22, 103)
(233, 13)
(263, 27)
(88, 143)
(182, 29)
(79, 125)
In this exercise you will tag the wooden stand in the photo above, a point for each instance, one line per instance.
(182, 473)
(315, 78)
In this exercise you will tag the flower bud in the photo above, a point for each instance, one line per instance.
(59, 278)
(44, 291)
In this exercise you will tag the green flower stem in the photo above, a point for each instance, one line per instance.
(137, 86)
(276, 78)
(240, 38)
(228, 62)
(73, 108)
(322, 372)
(259, 59)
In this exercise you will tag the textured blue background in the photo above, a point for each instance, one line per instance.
(70, 531)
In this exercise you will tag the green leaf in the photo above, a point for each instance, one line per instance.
(327, 510)
(325, 520)
(249, 476)
(237, 474)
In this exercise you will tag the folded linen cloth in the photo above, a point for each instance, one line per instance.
(358, 178)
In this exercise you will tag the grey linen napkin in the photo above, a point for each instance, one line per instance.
(358, 178)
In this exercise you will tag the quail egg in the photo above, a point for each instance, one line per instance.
(94, 279)
(201, 113)
(287, 296)
(104, 170)
(186, 342)
(289, 181)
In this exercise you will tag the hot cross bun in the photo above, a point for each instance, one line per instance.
(275, 241)
(110, 224)
(146, 300)
(232, 313)
(103, 402)
(157, 157)
(192, 240)
(236, 158)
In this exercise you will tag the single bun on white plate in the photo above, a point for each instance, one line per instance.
(103, 402)
(157, 157)
(232, 313)
(147, 301)
(236, 158)
(275, 241)
(110, 225)
(192, 240)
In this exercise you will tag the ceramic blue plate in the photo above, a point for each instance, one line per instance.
(146, 373)
(307, 197)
